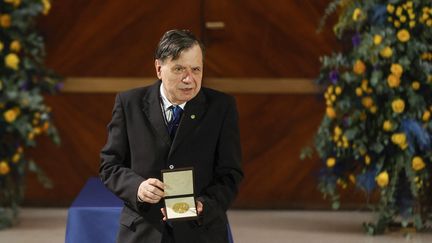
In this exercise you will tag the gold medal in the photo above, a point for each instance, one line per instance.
(180, 207)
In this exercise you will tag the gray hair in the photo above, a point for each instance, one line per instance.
(173, 42)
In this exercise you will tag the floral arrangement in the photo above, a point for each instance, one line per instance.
(376, 131)
(23, 114)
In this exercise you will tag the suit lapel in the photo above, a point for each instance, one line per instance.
(191, 118)
(152, 109)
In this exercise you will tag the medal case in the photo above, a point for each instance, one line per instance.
(179, 194)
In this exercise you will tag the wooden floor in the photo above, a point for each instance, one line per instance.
(48, 226)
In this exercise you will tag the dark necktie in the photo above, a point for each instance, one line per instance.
(177, 111)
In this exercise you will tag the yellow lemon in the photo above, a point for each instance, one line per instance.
(386, 52)
(367, 102)
(30, 136)
(359, 67)
(333, 98)
(426, 116)
(11, 115)
(390, 8)
(403, 35)
(15, 46)
(396, 69)
(397, 24)
(337, 131)
(400, 140)
(356, 14)
(331, 162)
(417, 163)
(4, 168)
(382, 179)
(5, 20)
(12, 61)
(367, 160)
(409, 4)
(398, 105)
(352, 178)
(415, 85)
(377, 39)
(387, 126)
(46, 6)
(364, 84)
(393, 81)
(399, 11)
(45, 126)
(16, 157)
(331, 113)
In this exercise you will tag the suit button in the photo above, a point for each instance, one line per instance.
(171, 167)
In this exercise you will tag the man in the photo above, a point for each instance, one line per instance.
(173, 124)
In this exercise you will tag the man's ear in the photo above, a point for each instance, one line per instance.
(158, 67)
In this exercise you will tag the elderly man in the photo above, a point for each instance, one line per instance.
(173, 123)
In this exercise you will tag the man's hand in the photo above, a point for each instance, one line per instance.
(151, 190)
(199, 210)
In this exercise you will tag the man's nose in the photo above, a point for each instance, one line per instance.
(188, 77)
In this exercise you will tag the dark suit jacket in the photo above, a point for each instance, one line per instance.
(139, 147)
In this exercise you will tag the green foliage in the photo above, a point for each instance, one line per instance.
(23, 113)
(376, 133)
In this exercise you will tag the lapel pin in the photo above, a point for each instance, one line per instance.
(193, 117)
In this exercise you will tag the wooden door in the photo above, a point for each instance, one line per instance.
(251, 38)
(102, 38)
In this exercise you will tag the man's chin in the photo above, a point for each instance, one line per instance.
(186, 98)
(187, 93)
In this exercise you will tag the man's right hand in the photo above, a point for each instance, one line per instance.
(151, 190)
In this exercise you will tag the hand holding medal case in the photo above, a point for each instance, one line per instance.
(179, 194)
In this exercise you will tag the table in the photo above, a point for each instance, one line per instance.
(94, 215)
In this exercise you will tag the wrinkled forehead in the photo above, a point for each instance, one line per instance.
(175, 53)
(190, 56)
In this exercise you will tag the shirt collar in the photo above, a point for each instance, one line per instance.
(166, 103)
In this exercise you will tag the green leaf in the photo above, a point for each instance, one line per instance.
(351, 133)
(377, 147)
(335, 205)
(376, 77)
(41, 176)
(306, 152)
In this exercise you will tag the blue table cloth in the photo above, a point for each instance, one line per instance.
(94, 215)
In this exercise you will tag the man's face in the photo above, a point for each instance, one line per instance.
(181, 78)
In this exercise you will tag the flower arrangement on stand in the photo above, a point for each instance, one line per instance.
(376, 131)
(23, 114)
